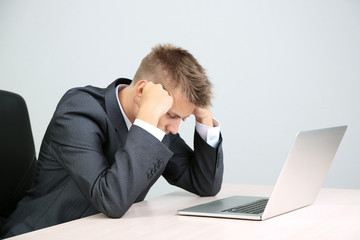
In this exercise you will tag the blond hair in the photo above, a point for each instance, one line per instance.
(176, 68)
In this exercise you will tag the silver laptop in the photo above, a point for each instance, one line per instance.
(297, 186)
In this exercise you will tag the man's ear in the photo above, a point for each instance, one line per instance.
(140, 87)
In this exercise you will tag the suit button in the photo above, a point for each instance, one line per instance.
(157, 166)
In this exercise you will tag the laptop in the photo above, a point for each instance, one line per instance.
(297, 186)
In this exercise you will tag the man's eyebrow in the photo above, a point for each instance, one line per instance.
(176, 115)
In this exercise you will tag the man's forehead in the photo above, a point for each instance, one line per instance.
(181, 106)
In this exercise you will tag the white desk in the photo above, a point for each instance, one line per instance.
(334, 215)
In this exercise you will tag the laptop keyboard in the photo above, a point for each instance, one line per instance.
(250, 208)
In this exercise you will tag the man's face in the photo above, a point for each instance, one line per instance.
(180, 110)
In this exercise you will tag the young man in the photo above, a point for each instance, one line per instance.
(105, 148)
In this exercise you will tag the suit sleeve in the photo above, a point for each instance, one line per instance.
(199, 171)
(111, 183)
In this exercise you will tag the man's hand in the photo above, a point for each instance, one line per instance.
(153, 102)
(204, 116)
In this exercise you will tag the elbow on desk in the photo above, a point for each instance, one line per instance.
(210, 192)
(207, 194)
(115, 214)
(114, 211)
(210, 186)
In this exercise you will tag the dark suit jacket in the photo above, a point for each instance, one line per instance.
(89, 163)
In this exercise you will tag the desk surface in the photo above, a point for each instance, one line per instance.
(334, 215)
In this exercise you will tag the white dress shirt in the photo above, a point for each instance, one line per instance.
(210, 134)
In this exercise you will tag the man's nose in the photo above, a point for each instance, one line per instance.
(174, 127)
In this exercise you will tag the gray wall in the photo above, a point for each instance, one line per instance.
(278, 67)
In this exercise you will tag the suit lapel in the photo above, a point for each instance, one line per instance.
(113, 111)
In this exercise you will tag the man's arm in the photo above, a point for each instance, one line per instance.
(200, 170)
(111, 177)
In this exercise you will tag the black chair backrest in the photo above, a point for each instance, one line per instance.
(17, 151)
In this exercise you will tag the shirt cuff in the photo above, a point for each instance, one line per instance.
(159, 134)
(210, 135)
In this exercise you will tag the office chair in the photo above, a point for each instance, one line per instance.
(17, 152)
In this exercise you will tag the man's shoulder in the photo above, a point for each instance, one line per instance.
(80, 99)
(86, 92)
(90, 93)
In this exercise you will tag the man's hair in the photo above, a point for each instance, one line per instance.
(176, 68)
